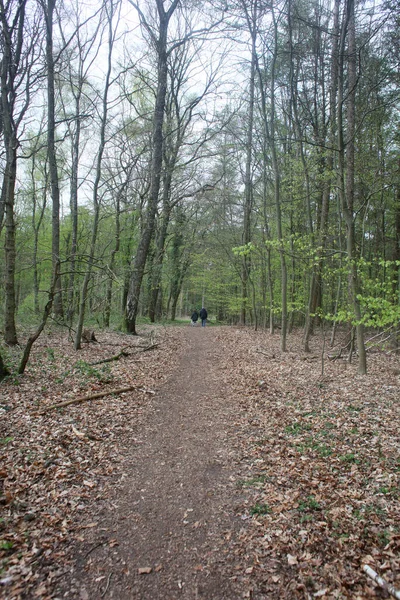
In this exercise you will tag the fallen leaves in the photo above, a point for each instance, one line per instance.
(317, 463)
(323, 454)
(54, 464)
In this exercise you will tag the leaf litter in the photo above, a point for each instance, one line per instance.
(315, 460)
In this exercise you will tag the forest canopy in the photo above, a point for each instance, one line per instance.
(159, 156)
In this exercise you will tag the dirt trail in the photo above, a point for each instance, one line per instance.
(174, 512)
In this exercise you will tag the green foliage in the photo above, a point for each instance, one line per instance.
(297, 428)
(254, 481)
(6, 545)
(309, 504)
(260, 509)
(350, 457)
(102, 373)
(6, 440)
(50, 354)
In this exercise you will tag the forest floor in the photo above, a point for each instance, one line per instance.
(231, 470)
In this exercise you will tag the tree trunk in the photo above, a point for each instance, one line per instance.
(52, 158)
(73, 204)
(155, 278)
(156, 166)
(12, 35)
(107, 311)
(347, 183)
(248, 183)
(3, 369)
(316, 278)
(277, 191)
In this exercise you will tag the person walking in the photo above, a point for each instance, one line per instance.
(194, 317)
(203, 317)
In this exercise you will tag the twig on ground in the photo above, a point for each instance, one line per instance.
(94, 548)
(107, 586)
(381, 582)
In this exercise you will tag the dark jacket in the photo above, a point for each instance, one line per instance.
(203, 314)
(195, 316)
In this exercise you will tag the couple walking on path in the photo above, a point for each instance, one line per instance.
(203, 316)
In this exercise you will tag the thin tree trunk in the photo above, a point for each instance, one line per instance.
(52, 158)
(316, 279)
(32, 339)
(110, 7)
(73, 203)
(248, 184)
(277, 192)
(117, 237)
(347, 184)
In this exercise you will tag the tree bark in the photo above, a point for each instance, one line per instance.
(156, 167)
(315, 284)
(277, 190)
(52, 157)
(3, 369)
(346, 184)
(12, 37)
(248, 184)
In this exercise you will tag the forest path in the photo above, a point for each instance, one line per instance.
(174, 511)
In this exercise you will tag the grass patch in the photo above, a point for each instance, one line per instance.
(253, 481)
(5, 441)
(87, 371)
(260, 509)
(350, 458)
(6, 545)
(352, 408)
(324, 450)
(310, 504)
(298, 428)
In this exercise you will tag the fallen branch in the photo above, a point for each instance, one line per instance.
(86, 398)
(151, 347)
(264, 353)
(381, 582)
(122, 354)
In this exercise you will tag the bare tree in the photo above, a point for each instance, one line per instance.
(16, 67)
(160, 41)
(251, 11)
(80, 54)
(48, 7)
(182, 149)
(111, 9)
(346, 153)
